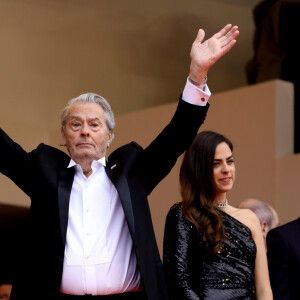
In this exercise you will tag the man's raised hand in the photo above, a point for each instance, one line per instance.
(205, 54)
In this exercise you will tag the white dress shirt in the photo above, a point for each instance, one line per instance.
(99, 255)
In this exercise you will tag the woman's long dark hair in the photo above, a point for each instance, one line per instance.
(198, 189)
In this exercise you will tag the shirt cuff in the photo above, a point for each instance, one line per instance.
(194, 95)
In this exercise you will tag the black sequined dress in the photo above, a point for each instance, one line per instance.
(192, 273)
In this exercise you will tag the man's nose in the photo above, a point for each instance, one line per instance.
(84, 130)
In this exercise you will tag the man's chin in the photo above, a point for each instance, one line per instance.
(82, 155)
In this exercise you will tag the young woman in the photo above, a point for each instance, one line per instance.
(213, 250)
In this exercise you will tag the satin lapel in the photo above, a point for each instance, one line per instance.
(121, 184)
(65, 181)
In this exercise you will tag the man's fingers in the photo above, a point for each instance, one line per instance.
(200, 36)
(229, 38)
(228, 46)
(223, 31)
(233, 33)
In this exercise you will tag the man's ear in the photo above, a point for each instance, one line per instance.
(62, 131)
(264, 228)
(110, 137)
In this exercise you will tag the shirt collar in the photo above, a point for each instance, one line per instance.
(102, 161)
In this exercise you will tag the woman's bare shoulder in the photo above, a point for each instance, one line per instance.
(245, 216)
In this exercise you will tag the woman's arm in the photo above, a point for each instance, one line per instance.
(179, 256)
(261, 273)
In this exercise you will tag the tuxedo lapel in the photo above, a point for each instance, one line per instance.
(121, 184)
(65, 181)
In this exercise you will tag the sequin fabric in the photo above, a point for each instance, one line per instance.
(192, 273)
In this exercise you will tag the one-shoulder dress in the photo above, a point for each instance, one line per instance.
(193, 273)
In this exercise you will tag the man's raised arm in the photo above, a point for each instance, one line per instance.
(203, 56)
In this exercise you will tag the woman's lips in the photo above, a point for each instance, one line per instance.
(225, 180)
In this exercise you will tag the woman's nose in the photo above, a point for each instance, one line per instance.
(225, 168)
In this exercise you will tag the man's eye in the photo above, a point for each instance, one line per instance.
(95, 125)
(75, 125)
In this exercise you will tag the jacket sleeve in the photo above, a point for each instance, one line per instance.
(279, 267)
(15, 163)
(160, 156)
(179, 256)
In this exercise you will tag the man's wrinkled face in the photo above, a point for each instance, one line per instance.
(86, 134)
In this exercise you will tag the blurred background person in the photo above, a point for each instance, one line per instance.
(213, 250)
(284, 260)
(5, 289)
(266, 214)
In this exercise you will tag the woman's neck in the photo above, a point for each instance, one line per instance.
(221, 198)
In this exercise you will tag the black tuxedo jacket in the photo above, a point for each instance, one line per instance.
(284, 260)
(43, 175)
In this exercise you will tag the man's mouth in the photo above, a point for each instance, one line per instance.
(84, 144)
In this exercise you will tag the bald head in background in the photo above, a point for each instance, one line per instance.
(5, 289)
(266, 214)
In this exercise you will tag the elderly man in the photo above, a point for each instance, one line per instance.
(267, 215)
(91, 232)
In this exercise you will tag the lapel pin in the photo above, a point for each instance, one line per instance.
(113, 166)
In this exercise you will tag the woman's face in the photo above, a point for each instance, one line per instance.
(223, 169)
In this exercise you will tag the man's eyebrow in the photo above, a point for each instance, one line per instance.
(94, 119)
(80, 118)
(74, 117)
